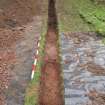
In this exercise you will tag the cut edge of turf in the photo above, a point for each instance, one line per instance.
(32, 91)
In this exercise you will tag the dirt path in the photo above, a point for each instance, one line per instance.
(50, 80)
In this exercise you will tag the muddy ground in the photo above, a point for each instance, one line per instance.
(20, 27)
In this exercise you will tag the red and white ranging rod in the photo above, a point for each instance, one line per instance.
(36, 59)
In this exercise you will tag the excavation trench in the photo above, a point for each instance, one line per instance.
(51, 89)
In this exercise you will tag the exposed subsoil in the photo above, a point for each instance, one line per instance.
(51, 89)
(20, 25)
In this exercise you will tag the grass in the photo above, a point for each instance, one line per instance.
(32, 91)
(68, 17)
(80, 16)
(94, 15)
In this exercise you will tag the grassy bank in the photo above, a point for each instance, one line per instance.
(93, 14)
(69, 18)
(80, 16)
(32, 91)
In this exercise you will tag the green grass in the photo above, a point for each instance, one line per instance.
(103, 41)
(68, 17)
(32, 92)
(94, 15)
(80, 16)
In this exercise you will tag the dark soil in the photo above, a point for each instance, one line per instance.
(51, 89)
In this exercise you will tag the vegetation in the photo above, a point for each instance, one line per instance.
(99, 1)
(94, 15)
(81, 16)
(32, 92)
(69, 18)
